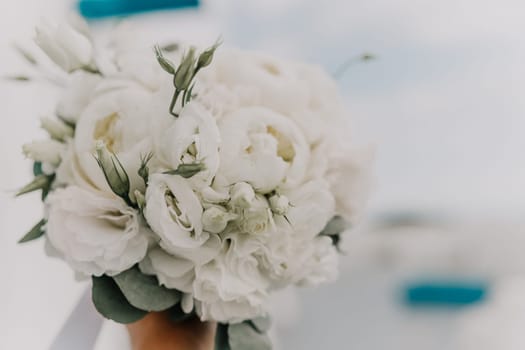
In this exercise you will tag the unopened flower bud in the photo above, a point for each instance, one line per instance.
(114, 172)
(210, 195)
(47, 151)
(184, 73)
(215, 219)
(56, 128)
(206, 57)
(187, 170)
(140, 199)
(166, 64)
(242, 194)
(279, 204)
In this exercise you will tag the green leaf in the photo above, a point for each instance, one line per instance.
(111, 303)
(144, 292)
(335, 226)
(261, 324)
(36, 232)
(221, 337)
(243, 336)
(40, 182)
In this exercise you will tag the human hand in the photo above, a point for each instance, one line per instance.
(157, 331)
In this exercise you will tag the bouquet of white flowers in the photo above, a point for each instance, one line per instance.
(193, 181)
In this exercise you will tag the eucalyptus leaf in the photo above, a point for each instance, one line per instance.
(243, 336)
(144, 292)
(36, 232)
(335, 226)
(111, 303)
(261, 324)
(221, 337)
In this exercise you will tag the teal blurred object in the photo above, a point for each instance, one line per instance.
(107, 8)
(446, 293)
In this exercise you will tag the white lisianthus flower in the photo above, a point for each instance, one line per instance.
(117, 116)
(174, 213)
(262, 148)
(77, 95)
(231, 288)
(46, 151)
(96, 233)
(67, 44)
(313, 206)
(319, 261)
(349, 173)
(171, 271)
(191, 138)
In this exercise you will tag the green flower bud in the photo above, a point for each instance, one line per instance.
(187, 170)
(166, 64)
(206, 57)
(184, 74)
(140, 199)
(114, 172)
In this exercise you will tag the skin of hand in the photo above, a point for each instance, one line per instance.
(157, 332)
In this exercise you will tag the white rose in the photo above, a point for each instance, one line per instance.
(96, 233)
(118, 115)
(76, 96)
(262, 148)
(231, 288)
(193, 137)
(174, 213)
(67, 44)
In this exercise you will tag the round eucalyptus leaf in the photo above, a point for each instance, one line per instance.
(243, 336)
(111, 303)
(261, 324)
(221, 337)
(144, 292)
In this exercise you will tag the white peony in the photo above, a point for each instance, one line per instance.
(95, 232)
(67, 44)
(174, 213)
(118, 116)
(77, 95)
(262, 148)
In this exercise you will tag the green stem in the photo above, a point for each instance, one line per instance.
(173, 102)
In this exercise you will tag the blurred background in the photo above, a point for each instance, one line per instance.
(437, 262)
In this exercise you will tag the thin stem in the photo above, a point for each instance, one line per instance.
(173, 102)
